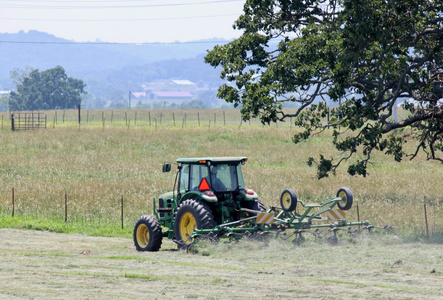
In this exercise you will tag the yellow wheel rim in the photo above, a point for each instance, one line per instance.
(142, 235)
(286, 200)
(187, 226)
(344, 198)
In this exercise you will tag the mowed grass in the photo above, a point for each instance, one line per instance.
(44, 265)
(115, 155)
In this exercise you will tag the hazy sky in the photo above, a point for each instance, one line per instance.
(123, 21)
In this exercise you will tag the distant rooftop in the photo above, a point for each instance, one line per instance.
(173, 94)
(183, 82)
(139, 94)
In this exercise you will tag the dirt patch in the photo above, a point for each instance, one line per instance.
(36, 264)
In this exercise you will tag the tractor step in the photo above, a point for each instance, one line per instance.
(164, 209)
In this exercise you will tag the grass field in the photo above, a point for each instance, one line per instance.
(102, 161)
(97, 165)
(44, 265)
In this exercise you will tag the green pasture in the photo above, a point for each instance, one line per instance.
(115, 156)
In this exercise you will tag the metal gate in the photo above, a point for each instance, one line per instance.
(28, 121)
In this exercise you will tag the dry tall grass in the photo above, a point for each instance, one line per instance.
(99, 161)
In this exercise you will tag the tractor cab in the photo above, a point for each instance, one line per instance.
(215, 182)
(210, 179)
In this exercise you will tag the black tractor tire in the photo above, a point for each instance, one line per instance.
(288, 200)
(147, 234)
(191, 214)
(347, 198)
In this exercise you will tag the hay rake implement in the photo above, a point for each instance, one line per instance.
(284, 222)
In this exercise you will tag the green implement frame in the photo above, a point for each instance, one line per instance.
(281, 220)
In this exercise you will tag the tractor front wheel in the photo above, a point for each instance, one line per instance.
(346, 198)
(147, 234)
(191, 215)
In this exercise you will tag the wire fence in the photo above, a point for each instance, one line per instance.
(117, 211)
(123, 212)
(155, 119)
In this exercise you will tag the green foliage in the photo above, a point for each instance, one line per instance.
(50, 89)
(366, 56)
(4, 101)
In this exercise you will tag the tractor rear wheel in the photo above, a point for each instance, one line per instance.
(346, 198)
(147, 234)
(191, 214)
(288, 200)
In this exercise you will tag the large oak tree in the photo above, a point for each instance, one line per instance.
(49, 89)
(367, 55)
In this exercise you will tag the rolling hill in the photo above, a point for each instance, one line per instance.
(105, 67)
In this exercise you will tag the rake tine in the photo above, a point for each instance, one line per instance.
(354, 232)
(285, 236)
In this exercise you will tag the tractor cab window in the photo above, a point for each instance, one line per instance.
(241, 183)
(224, 177)
(183, 185)
(198, 172)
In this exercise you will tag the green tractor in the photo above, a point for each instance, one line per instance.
(207, 192)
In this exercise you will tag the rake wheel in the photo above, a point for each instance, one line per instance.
(288, 200)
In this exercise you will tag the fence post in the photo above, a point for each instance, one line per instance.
(13, 202)
(184, 121)
(122, 210)
(426, 220)
(12, 122)
(66, 206)
(79, 115)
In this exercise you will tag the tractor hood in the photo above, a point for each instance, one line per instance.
(168, 195)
